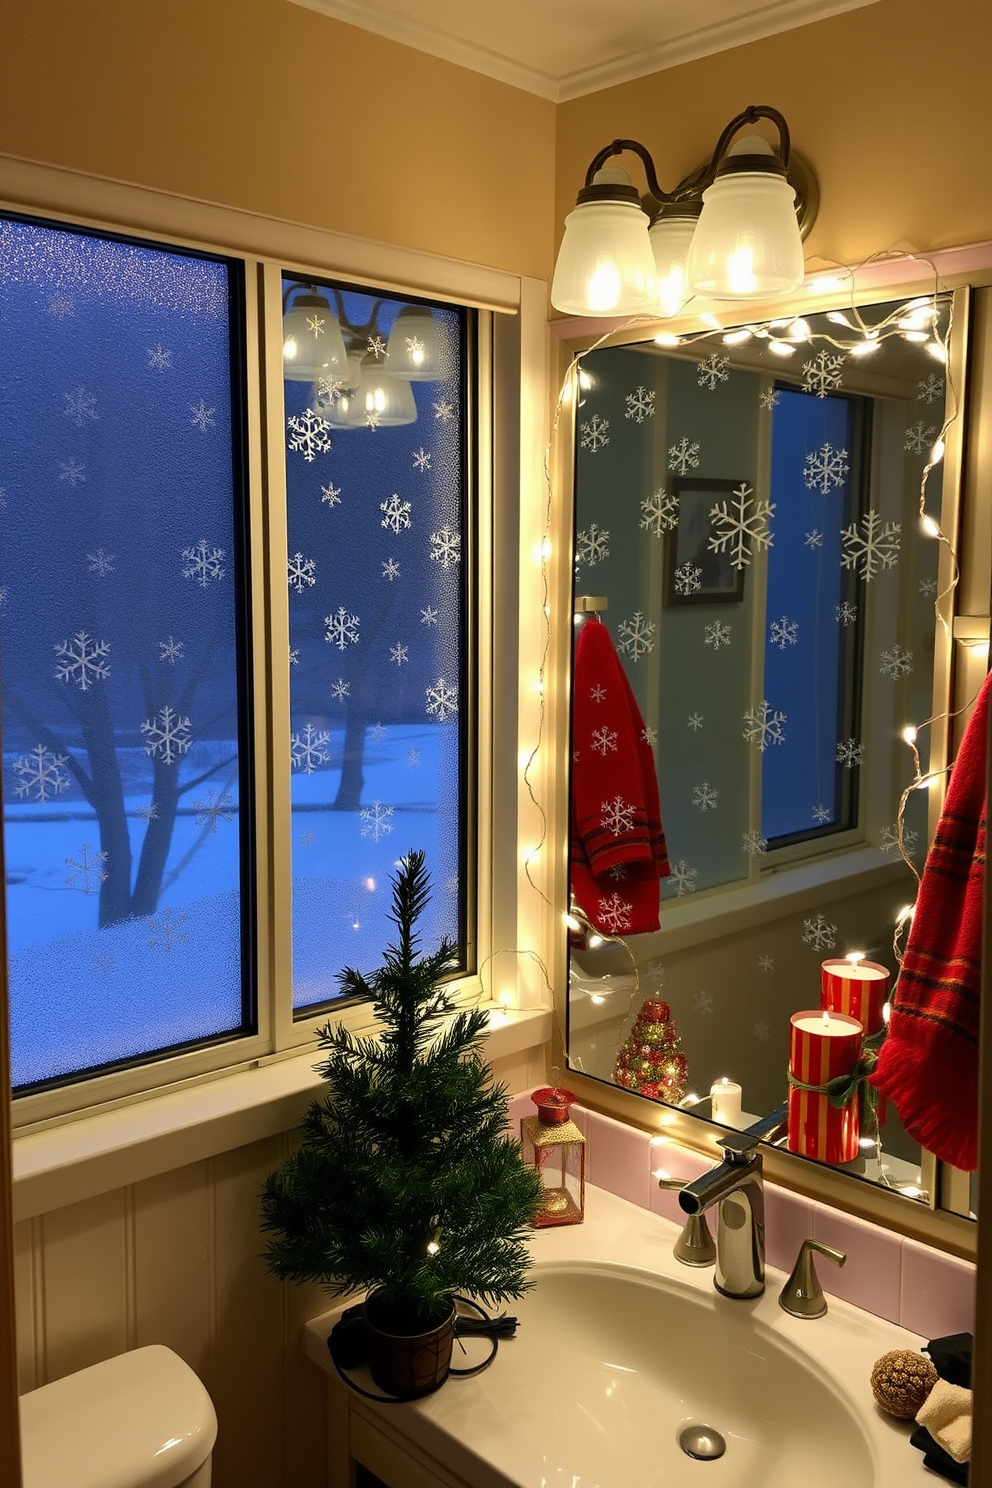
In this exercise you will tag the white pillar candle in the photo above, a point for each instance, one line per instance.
(726, 1101)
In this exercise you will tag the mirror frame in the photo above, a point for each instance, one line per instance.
(943, 1222)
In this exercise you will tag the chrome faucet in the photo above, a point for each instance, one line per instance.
(735, 1184)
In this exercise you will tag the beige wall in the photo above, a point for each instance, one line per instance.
(266, 106)
(891, 103)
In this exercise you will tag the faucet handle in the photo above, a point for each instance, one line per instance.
(695, 1246)
(802, 1296)
(740, 1147)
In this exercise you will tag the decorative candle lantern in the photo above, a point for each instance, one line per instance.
(822, 1046)
(856, 987)
(552, 1144)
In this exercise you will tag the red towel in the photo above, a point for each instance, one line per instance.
(928, 1064)
(618, 845)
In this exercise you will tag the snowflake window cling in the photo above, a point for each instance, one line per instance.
(783, 633)
(73, 472)
(100, 563)
(702, 1003)
(159, 360)
(741, 522)
(171, 650)
(683, 456)
(341, 628)
(825, 468)
(396, 514)
(637, 636)
(83, 660)
(167, 734)
(896, 663)
(203, 417)
(873, 548)
(80, 406)
(683, 878)
(421, 459)
(753, 843)
(813, 539)
(594, 434)
(167, 929)
(695, 722)
(88, 872)
(930, 389)
(390, 569)
(688, 579)
(442, 701)
(890, 839)
(713, 371)
(308, 434)
(302, 572)
(203, 563)
(376, 820)
(660, 512)
(819, 933)
(42, 774)
(919, 437)
(308, 750)
(850, 753)
(331, 494)
(846, 613)
(592, 545)
(640, 405)
(823, 373)
(446, 547)
(764, 726)
(212, 809)
(705, 796)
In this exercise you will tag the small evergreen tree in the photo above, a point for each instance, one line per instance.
(405, 1180)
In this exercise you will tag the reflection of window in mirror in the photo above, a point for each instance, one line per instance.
(775, 713)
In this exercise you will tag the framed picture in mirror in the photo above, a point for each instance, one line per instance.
(695, 571)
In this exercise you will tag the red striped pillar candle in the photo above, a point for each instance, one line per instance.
(857, 987)
(822, 1045)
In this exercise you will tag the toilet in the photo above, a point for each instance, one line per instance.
(139, 1420)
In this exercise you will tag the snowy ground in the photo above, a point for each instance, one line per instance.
(82, 996)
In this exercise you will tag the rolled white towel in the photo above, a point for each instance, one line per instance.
(946, 1414)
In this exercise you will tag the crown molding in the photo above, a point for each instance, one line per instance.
(506, 67)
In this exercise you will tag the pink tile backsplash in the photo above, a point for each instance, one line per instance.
(870, 1278)
(788, 1222)
(901, 1280)
(938, 1292)
(617, 1159)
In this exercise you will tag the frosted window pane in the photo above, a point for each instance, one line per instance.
(377, 554)
(120, 577)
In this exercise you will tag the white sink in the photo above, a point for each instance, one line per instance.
(631, 1359)
(620, 1348)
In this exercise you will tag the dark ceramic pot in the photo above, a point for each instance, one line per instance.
(406, 1364)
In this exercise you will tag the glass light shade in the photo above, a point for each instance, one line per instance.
(380, 401)
(312, 343)
(605, 264)
(671, 238)
(747, 244)
(417, 347)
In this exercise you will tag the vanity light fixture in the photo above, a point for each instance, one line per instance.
(730, 230)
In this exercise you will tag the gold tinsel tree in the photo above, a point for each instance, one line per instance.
(651, 1060)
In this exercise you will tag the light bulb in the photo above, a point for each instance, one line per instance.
(798, 330)
(937, 453)
(597, 997)
(937, 351)
(826, 284)
(571, 922)
(930, 527)
(667, 338)
(906, 913)
(863, 348)
(781, 348)
(594, 942)
(909, 734)
(839, 318)
(734, 338)
(919, 336)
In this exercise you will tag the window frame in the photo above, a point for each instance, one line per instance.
(268, 248)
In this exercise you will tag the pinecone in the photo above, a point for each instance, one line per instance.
(901, 1381)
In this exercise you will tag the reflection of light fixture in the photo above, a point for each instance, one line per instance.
(417, 347)
(312, 343)
(379, 401)
(360, 380)
(624, 256)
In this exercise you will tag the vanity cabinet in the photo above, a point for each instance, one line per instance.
(365, 1452)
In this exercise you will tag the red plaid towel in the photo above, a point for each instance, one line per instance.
(928, 1064)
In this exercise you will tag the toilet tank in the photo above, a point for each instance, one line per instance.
(139, 1420)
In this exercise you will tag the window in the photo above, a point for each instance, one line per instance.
(806, 792)
(131, 574)
(378, 553)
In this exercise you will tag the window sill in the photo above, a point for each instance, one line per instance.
(96, 1154)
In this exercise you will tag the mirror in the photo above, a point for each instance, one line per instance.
(748, 528)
